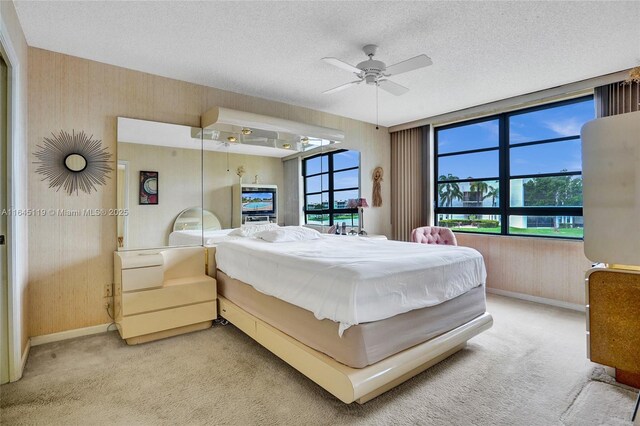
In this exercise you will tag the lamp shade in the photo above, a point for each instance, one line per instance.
(357, 202)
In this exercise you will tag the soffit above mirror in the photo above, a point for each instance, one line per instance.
(145, 132)
(245, 132)
(269, 141)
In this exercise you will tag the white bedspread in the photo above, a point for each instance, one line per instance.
(353, 280)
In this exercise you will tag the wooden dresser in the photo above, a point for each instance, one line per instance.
(162, 293)
(613, 321)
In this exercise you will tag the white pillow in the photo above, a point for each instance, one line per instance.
(252, 230)
(288, 233)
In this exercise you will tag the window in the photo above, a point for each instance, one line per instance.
(330, 181)
(517, 173)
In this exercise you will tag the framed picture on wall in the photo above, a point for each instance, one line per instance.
(148, 187)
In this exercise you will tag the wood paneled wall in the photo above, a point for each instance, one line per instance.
(541, 267)
(71, 257)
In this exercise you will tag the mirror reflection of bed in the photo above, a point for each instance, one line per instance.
(195, 226)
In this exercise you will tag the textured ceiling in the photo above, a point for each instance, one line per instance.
(482, 51)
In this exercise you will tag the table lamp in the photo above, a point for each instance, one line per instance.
(360, 203)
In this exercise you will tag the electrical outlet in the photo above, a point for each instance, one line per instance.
(108, 290)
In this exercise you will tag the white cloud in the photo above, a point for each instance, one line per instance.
(515, 137)
(490, 126)
(443, 143)
(569, 127)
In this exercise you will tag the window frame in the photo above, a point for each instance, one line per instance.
(331, 211)
(504, 209)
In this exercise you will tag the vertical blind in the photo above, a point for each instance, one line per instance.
(617, 98)
(291, 192)
(408, 186)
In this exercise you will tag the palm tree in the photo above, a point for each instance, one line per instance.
(480, 188)
(493, 193)
(449, 191)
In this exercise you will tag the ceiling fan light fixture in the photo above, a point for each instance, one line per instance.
(373, 71)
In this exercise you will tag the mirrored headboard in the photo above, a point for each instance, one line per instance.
(196, 219)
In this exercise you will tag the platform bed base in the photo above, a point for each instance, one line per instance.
(346, 383)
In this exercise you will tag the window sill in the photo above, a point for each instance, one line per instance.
(544, 237)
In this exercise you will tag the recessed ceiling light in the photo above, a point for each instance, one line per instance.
(286, 145)
(246, 131)
(232, 139)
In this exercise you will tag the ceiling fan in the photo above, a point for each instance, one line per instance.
(376, 72)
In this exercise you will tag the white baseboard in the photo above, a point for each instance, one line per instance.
(69, 334)
(25, 356)
(536, 299)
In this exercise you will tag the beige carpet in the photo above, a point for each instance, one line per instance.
(527, 370)
(601, 398)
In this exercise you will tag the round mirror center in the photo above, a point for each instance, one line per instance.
(75, 162)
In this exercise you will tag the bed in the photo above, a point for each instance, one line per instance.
(353, 314)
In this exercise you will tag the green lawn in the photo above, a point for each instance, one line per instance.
(548, 232)
(478, 230)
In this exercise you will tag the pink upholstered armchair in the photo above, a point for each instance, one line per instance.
(434, 235)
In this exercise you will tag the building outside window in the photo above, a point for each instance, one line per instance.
(330, 181)
(517, 173)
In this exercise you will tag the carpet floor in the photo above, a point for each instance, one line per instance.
(529, 369)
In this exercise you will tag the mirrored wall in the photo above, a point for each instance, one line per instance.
(189, 186)
(159, 177)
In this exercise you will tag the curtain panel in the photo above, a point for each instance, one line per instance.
(290, 193)
(409, 181)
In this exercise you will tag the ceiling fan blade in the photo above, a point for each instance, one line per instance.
(414, 63)
(343, 65)
(341, 87)
(393, 88)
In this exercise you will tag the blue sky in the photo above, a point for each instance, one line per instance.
(341, 179)
(344, 179)
(341, 160)
(538, 125)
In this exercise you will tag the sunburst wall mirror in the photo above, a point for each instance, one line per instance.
(73, 162)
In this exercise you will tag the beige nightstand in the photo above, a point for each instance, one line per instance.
(163, 293)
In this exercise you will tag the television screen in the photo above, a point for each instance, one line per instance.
(257, 202)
